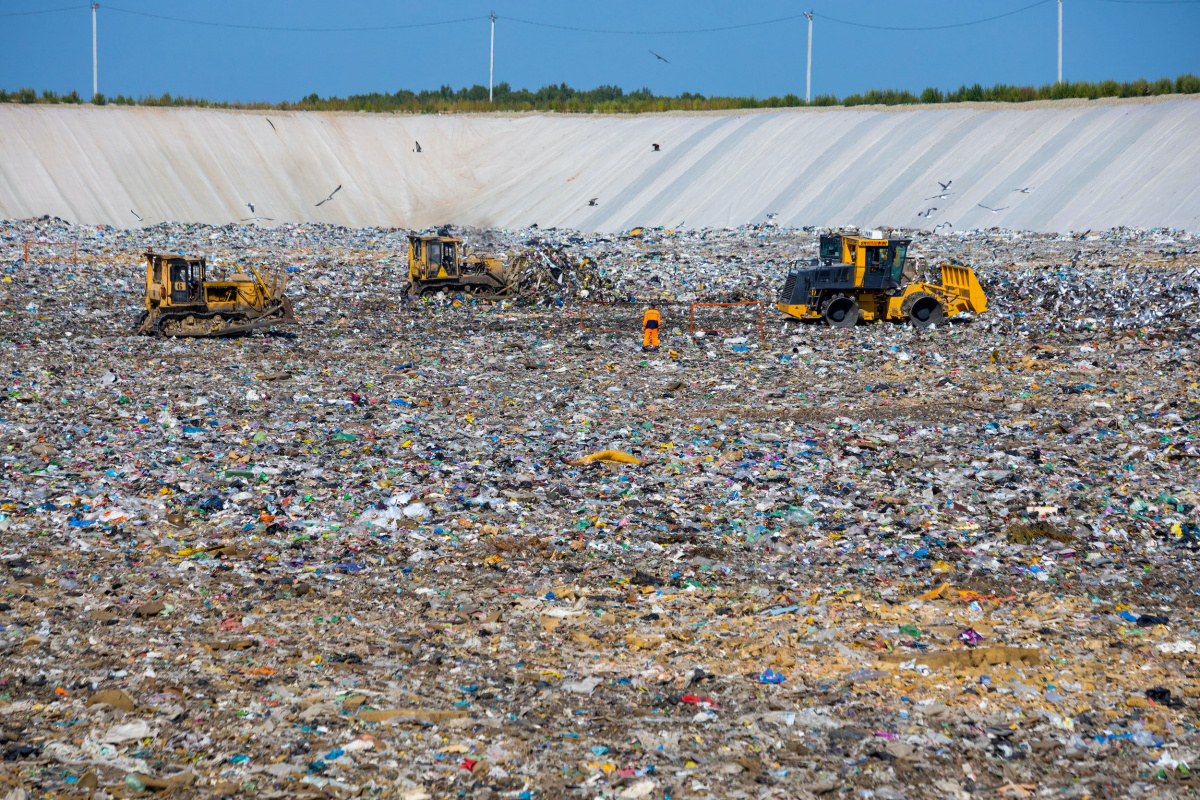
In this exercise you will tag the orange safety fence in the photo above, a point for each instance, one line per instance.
(73, 245)
(748, 329)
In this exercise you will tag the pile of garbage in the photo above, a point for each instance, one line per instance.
(549, 274)
(424, 550)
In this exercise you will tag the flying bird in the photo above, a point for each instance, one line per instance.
(272, 124)
(993, 210)
(417, 149)
(942, 224)
(660, 58)
(656, 147)
(251, 207)
(331, 194)
(1026, 190)
(592, 202)
(926, 212)
(256, 219)
(131, 211)
(940, 196)
(773, 215)
(945, 185)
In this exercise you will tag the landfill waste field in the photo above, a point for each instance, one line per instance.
(438, 547)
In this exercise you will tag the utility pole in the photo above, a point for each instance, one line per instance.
(492, 60)
(808, 79)
(1060, 41)
(95, 78)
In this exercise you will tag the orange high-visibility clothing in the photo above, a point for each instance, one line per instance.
(650, 325)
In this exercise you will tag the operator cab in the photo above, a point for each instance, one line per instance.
(176, 277)
(432, 257)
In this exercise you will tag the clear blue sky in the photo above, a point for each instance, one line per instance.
(142, 55)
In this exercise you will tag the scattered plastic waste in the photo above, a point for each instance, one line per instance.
(450, 547)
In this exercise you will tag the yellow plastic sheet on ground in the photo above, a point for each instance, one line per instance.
(617, 456)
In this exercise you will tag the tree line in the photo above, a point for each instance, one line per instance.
(614, 100)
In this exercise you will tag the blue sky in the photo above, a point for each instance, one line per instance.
(1119, 39)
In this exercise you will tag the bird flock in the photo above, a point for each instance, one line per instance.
(927, 214)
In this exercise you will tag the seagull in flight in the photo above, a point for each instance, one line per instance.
(926, 212)
(256, 219)
(592, 202)
(251, 207)
(942, 224)
(993, 210)
(945, 185)
(417, 149)
(1026, 190)
(131, 211)
(660, 58)
(940, 196)
(272, 124)
(331, 194)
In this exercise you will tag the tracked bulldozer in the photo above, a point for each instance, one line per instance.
(439, 264)
(868, 278)
(181, 301)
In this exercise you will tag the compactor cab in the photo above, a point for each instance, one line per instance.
(181, 301)
(438, 264)
(872, 278)
(831, 248)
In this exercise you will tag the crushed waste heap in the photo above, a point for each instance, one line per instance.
(418, 549)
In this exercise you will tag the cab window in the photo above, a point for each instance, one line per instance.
(898, 253)
(875, 257)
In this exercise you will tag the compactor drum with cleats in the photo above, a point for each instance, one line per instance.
(861, 278)
(181, 301)
(438, 264)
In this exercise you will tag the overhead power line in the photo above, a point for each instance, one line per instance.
(575, 28)
(42, 11)
(933, 27)
(652, 33)
(293, 29)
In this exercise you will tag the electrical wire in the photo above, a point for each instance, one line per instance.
(43, 11)
(933, 27)
(579, 29)
(292, 29)
(654, 33)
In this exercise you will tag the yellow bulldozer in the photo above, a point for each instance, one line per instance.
(869, 278)
(439, 264)
(181, 301)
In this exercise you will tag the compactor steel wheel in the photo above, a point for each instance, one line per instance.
(840, 312)
(922, 309)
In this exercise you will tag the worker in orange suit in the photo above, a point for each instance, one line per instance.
(650, 324)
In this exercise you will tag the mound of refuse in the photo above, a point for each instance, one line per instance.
(496, 550)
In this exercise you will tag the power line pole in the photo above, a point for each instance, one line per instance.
(1060, 41)
(492, 60)
(808, 79)
(95, 77)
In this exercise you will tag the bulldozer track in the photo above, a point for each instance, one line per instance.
(202, 325)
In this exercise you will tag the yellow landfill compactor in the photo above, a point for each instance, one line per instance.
(181, 301)
(864, 278)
